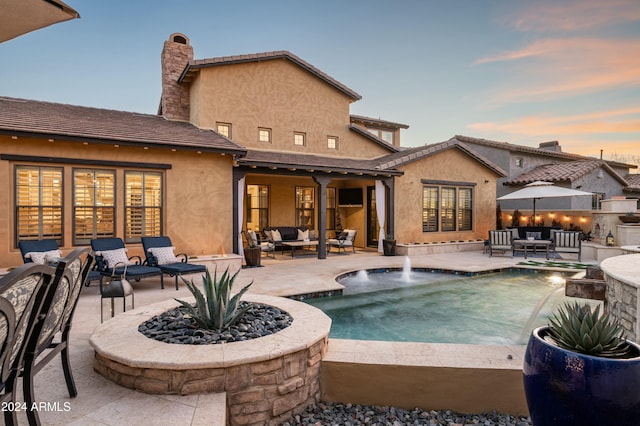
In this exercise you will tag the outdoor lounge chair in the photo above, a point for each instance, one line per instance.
(51, 336)
(160, 253)
(111, 251)
(265, 246)
(345, 240)
(500, 240)
(567, 242)
(22, 293)
(42, 251)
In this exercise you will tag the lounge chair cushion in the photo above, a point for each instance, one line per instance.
(113, 257)
(42, 257)
(163, 255)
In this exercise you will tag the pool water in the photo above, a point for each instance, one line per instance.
(491, 308)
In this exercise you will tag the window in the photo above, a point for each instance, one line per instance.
(332, 142)
(447, 208)
(465, 210)
(304, 206)
(331, 208)
(518, 161)
(596, 200)
(224, 129)
(257, 203)
(93, 205)
(385, 135)
(143, 205)
(264, 135)
(299, 139)
(38, 203)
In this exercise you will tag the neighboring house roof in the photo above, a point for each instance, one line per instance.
(79, 123)
(414, 154)
(311, 163)
(634, 182)
(563, 172)
(377, 122)
(367, 134)
(197, 64)
(536, 151)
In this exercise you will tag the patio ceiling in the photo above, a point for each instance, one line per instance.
(19, 17)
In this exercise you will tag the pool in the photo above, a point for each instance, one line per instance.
(437, 307)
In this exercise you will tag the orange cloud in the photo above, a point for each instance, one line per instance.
(577, 15)
(552, 68)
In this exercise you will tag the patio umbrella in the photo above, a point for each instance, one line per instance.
(539, 189)
(22, 16)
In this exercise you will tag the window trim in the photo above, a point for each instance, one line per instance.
(83, 241)
(299, 210)
(335, 139)
(268, 132)
(439, 186)
(223, 124)
(249, 208)
(161, 207)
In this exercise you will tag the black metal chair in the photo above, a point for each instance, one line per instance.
(51, 337)
(31, 248)
(159, 252)
(23, 296)
(111, 251)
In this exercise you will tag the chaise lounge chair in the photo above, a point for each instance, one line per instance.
(160, 253)
(43, 251)
(111, 251)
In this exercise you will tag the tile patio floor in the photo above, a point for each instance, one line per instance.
(101, 402)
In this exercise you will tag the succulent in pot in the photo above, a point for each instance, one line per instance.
(581, 370)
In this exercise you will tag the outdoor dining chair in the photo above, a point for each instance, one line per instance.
(160, 253)
(22, 294)
(51, 336)
(344, 240)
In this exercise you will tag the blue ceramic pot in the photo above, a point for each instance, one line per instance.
(567, 388)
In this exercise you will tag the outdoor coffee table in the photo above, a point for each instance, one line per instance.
(526, 245)
(294, 244)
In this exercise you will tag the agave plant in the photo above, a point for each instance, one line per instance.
(216, 309)
(580, 329)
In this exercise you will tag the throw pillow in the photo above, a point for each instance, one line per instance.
(275, 234)
(113, 257)
(253, 238)
(534, 235)
(42, 257)
(164, 255)
(303, 235)
(267, 234)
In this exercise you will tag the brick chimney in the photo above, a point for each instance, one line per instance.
(176, 54)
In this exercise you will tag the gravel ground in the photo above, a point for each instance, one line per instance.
(333, 414)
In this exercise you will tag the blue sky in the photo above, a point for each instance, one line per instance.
(516, 71)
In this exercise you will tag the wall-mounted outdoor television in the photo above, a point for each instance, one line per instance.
(350, 197)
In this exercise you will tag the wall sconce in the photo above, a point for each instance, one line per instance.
(552, 215)
(566, 218)
(486, 181)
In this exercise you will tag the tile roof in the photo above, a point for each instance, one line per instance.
(531, 150)
(634, 182)
(563, 172)
(311, 162)
(413, 154)
(72, 122)
(377, 122)
(196, 64)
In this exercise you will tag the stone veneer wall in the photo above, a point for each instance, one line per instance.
(622, 275)
(265, 393)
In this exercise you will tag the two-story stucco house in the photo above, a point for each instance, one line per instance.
(240, 142)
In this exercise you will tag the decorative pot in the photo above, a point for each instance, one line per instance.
(568, 388)
(389, 247)
(252, 256)
(629, 219)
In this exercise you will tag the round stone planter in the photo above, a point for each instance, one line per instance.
(567, 388)
(265, 379)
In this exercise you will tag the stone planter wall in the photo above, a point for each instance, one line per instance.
(622, 274)
(266, 380)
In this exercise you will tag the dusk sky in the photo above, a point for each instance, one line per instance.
(517, 71)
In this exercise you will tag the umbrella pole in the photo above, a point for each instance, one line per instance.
(534, 212)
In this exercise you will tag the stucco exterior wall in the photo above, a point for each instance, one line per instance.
(194, 216)
(450, 165)
(280, 96)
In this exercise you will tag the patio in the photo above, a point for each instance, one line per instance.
(102, 402)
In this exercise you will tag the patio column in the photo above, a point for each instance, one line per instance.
(238, 210)
(323, 182)
(390, 200)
